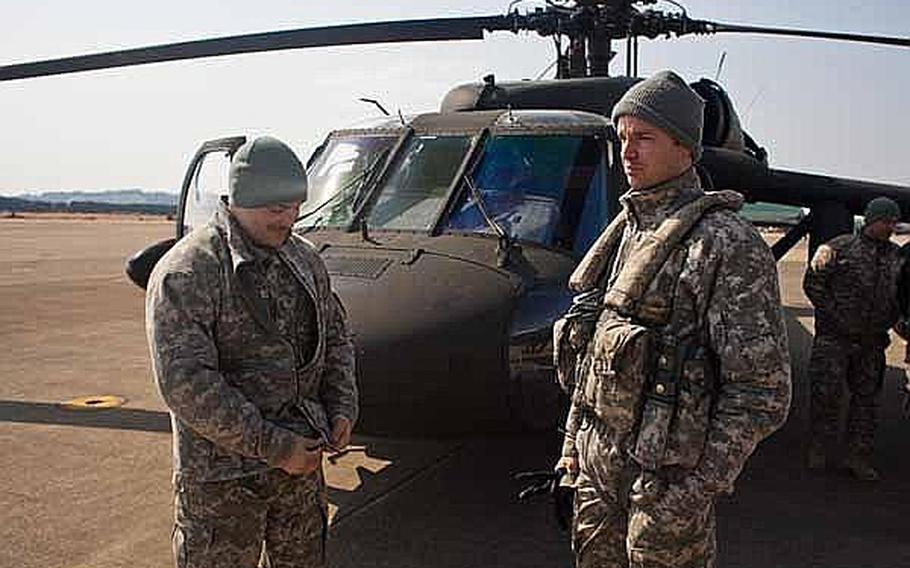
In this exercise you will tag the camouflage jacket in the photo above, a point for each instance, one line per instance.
(236, 391)
(852, 281)
(721, 284)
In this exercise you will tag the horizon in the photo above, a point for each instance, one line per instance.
(20, 193)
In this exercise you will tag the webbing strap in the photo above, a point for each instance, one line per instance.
(649, 256)
(646, 260)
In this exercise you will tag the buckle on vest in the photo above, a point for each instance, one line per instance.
(664, 389)
(668, 371)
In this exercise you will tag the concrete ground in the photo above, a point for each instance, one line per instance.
(91, 489)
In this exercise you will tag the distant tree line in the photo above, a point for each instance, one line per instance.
(17, 205)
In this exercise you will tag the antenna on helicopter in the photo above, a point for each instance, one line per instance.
(720, 66)
(377, 103)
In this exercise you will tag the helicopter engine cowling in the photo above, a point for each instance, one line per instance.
(722, 127)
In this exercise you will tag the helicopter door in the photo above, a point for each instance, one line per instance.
(205, 183)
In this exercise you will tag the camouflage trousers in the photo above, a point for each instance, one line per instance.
(834, 363)
(272, 515)
(674, 529)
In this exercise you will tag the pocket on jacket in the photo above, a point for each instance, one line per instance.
(617, 372)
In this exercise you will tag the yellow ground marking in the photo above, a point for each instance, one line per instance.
(93, 402)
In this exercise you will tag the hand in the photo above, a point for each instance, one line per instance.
(647, 488)
(568, 463)
(690, 494)
(341, 433)
(305, 457)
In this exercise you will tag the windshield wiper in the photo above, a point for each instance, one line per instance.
(360, 180)
(505, 245)
(358, 219)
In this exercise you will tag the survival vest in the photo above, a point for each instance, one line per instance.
(623, 367)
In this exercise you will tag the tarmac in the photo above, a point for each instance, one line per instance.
(91, 488)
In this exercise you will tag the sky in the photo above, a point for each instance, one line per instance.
(821, 106)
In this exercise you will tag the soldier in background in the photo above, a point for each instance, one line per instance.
(852, 282)
(686, 369)
(253, 359)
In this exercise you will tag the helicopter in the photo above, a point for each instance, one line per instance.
(450, 235)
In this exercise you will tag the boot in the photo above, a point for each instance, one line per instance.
(816, 460)
(861, 469)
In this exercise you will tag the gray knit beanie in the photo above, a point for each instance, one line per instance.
(882, 208)
(666, 101)
(265, 171)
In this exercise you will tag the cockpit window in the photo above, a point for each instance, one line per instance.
(416, 189)
(337, 177)
(543, 189)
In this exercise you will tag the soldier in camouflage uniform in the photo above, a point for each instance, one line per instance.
(852, 282)
(252, 356)
(658, 428)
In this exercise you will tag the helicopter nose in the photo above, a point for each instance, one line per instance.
(431, 335)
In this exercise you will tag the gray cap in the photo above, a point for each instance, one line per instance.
(265, 171)
(666, 101)
(882, 208)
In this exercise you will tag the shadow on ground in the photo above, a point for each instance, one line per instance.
(112, 418)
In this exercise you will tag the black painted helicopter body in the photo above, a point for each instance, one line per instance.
(450, 236)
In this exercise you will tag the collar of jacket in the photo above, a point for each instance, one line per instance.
(650, 206)
(242, 251)
(876, 245)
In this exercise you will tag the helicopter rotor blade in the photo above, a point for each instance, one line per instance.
(716, 27)
(729, 168)
(436, 29)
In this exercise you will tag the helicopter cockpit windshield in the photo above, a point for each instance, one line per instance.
(544, 189)
(338, 176)
(417, 188)
(540, 178)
